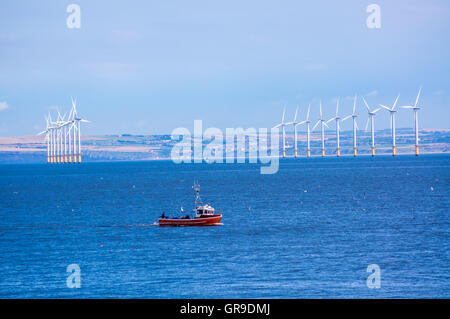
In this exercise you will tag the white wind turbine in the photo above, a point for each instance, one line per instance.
(60, 126)
(295, 124)
(392, 112)
(47, 133)
(53, 131)
(52, 139)
(322, 124)
(371, 118)
(76, 129)
(415, 108)
(308, 132)
(283, 125)
(355, 126)
(71, 152)
(337, 118)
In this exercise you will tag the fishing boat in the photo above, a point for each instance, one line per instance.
(203, 215)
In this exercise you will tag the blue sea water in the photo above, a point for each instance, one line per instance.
(309, 231)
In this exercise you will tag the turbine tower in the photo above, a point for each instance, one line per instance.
(60, 124)
(415, 108)
(47, 133)
(283, 125)
(322, 124)
(68, 134)
(295, 124)
(52, 140)
(308, 132)
(337, 118)
(355, 126)
(392, 112)
(371, 118)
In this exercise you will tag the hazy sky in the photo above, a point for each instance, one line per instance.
(146, 67)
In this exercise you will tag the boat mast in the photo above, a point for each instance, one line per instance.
(198, 201)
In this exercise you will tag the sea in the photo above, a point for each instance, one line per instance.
(319, 228)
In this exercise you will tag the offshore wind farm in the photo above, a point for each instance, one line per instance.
(63, 139)
(63, 136)
(322, 123)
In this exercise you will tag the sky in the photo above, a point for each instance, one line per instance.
(147, 67)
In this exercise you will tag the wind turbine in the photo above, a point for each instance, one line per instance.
(283, 125)
(371, 118)
(415, 108)
(52, 139)
(52, 127)
(322, 124)
(355, 126)
(61, 124)
(295, 123)
(77, 129)
(47, 137)
(392, 112)
(68, 134)
(337, 118)
(308, 133)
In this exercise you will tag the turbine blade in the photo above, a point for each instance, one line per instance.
(307, 114)
(406, 107)
(418, 96)
(70, 117)
(282, 118)
(337, 107)
(320, 109)
(375, 111)
(367, 105)
(325, 123)
(395, 103)
(296, 112)
(330, 120)
(367, 124)
(354, 105)
(385, 107)
(346, 118)
(317, 123)
(74, 107)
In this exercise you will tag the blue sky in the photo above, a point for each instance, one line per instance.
(146, 67)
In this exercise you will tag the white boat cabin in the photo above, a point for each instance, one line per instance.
(205, 210)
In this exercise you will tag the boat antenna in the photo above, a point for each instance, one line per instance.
(198, 200)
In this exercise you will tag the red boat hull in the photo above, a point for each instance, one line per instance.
(200, 221)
